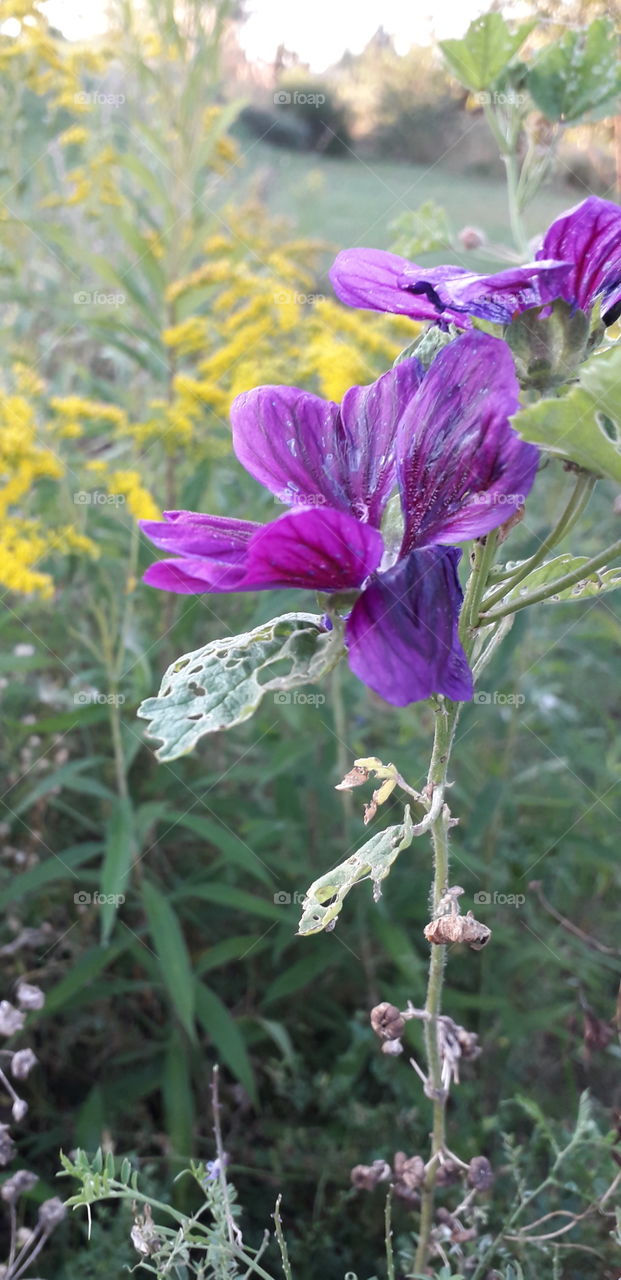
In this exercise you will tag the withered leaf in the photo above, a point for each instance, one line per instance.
(457, 928)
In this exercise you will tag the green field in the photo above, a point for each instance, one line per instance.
(353, 200)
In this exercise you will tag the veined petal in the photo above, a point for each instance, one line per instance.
(589, 238)
(380, 281)
(462, 468)
(192, 575)
(309, 453)
(193, 534)
(497, 297)
(316, 549)
(402, 634)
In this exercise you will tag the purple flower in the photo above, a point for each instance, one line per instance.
(579, 259)
(588, 237)
(381, 281)
(442, 437)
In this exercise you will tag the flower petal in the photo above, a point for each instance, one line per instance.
(309, 453)
(194, 534)
(319, 550)
(402, 634)
(462, 468)
(498, 297)
(589, 237)
(379, 281)
(191, 575)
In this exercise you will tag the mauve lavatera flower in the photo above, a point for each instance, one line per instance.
(579, 260)
(441, 438)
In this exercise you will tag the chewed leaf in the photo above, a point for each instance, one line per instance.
(373, 861)
(223, 683)
(594, 584)
(583, 426)
(578, 74)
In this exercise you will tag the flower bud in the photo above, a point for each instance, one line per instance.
(19, 1109)
(471, 237)
(7, 1146)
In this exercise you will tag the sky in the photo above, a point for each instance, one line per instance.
(319, 32)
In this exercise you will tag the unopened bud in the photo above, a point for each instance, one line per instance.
(471, 237)
(51, 1212)
(15, 1186)
(11, 1019)
(7, 1146)
(19, 1109)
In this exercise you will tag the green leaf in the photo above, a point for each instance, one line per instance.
(178, 1099)
(422, 230)
(231, 846)
(229, 949)
(69, 776)
(119, 855)
(222, 684)
(486, 49)
(216, 1020)
(58, 867)
(172, 954)
(578, 74)
(594, 585)
(227, 896)
(373, 861)
(583, 426)
(296, 976)
(76, 982)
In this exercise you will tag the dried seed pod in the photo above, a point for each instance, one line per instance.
(469, 1044)
(11, 1019)
(480, 1174)
(403, 1192)
(365, 1177)
(392, 1048)
(355, 778)
(7, 1146)
(51, 1212)
(22, 1063)
(448, 1173)
(29, 996)
(456, 928)
(14, 1186)
(387, 1021)
(409, 1170)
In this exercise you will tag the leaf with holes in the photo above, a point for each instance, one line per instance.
(373, 861)
(583, 426)
(593, 585)
(578, 74)
(222, 684)
(485, 51)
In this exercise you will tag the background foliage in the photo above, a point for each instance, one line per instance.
(146, 278)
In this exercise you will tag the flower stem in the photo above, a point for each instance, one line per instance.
(549, 589)
(585, 483)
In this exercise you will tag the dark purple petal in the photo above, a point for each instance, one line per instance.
(309, 453)
(589, 237)
(498, 297)
(402, 634)
(193, 534)
(379, 281)
(316, 549)
(462, 468)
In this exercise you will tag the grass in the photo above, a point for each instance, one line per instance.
(353, 200)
